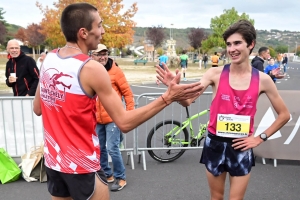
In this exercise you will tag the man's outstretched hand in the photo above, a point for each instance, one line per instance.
(177, 92)
(165, 75)
(276, 73)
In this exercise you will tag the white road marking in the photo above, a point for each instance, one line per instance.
(141, 86)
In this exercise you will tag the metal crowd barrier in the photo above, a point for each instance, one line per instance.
(171, 112)
(21, 129)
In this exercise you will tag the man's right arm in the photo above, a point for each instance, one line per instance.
(95, 79)
(37, 102)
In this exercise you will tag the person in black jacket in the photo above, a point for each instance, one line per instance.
(285, 62)
(258, 61)
(21, 72)
(205, 59)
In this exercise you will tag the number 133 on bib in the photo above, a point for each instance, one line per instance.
(233, 126)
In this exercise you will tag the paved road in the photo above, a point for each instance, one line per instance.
(185, 178)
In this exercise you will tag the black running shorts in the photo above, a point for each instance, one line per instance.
(219, 156)
(77, 186)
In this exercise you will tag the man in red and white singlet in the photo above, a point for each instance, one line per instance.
(236, 88)
(65, 98)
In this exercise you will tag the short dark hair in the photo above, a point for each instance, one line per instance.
(262, 49)
(215, 53)
(245, 28)
(74, 17)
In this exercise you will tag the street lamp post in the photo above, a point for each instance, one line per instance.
(171, 32)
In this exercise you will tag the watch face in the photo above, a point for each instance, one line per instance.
(263, 136)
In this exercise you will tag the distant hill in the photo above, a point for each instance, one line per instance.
(12, 29)
(264, 38)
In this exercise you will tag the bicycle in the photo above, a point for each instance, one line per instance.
(172, 137)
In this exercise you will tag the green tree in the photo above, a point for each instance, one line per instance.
(2, 12)
(281, 49)
(3, 28)
(160, 51)
(272, 52)
(219, 24)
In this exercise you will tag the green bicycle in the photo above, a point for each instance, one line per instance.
(169, 136)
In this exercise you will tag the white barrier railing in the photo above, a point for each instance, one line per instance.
(21, 129)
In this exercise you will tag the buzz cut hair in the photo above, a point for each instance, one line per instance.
(74, 17)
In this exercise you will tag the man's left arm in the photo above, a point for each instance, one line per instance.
(125, 90)
(35, 75)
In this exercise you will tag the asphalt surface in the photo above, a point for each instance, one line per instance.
(184, 179)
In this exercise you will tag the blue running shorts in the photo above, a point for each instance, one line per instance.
(219, 156)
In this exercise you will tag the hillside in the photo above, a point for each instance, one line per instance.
(12, 29)
(264, 38)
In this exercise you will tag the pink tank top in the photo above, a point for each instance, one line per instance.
(231, 101)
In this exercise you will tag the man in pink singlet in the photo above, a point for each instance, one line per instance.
(236, 88)
(67, 106)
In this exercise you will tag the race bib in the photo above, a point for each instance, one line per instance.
(233, 126)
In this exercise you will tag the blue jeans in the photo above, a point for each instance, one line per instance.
(109, 134)
(205, 62)
(284, 67)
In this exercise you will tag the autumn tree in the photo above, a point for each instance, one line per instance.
(195, 36)
(118, 24)
(21, 35)
(219, 24)
(156, 35)
(34, 36)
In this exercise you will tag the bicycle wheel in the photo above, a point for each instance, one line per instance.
(158, 137)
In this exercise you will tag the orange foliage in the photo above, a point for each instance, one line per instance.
(117, 24)
(20, 35)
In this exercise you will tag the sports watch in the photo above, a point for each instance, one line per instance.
(263, 136)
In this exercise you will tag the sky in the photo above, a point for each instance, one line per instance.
(268, 14)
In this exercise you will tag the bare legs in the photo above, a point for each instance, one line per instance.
(238, 186)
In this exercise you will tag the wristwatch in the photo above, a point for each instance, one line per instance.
(263, 136)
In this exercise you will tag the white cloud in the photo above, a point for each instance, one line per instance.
(192, 13)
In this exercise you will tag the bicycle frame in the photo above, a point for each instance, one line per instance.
(186, 123)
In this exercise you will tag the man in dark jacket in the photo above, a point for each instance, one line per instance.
(258, 61)
(21, 72)
(285, 62)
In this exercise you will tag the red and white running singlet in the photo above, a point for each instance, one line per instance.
(71, 144)
(232, 111)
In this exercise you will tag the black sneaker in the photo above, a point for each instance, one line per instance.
(118, 185)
